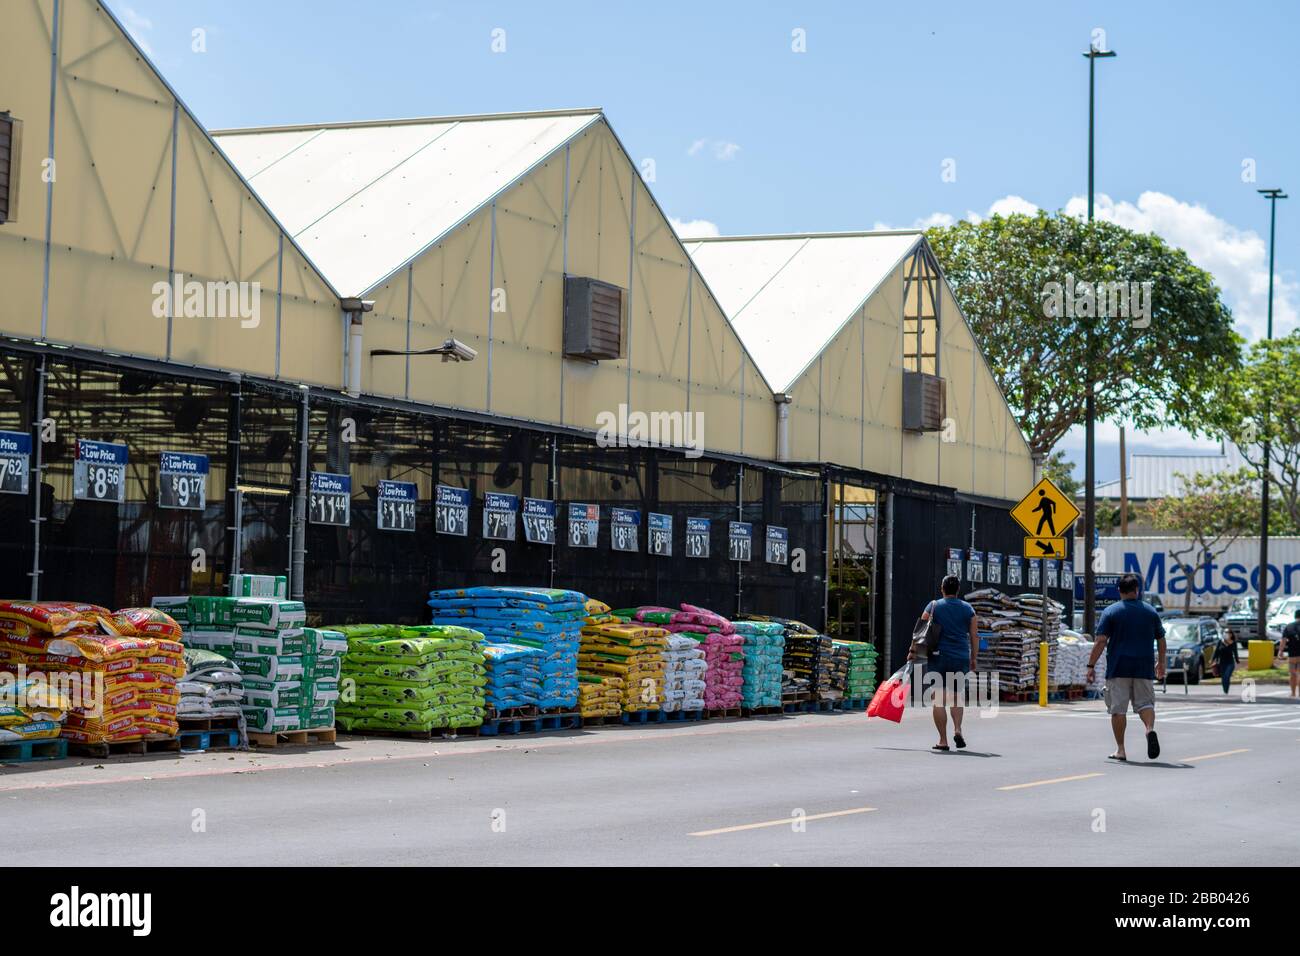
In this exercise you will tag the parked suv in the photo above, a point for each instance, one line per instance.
(1190, 643)
(1241, 619)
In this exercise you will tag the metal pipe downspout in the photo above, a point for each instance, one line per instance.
(354, 354)
(782, 426)
(298, 559)
(889, 582)
(38, 419)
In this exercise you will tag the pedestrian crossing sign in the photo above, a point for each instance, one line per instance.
(1046, 512)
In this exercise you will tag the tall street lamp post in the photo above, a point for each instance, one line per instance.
(1261, 612)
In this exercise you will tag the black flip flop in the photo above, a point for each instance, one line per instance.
(960, 741)
(940, 749)
(1153, 745)
(1117, 757)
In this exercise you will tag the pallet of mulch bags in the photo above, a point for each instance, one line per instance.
(152, 744)
(292, 738)
(28, 751)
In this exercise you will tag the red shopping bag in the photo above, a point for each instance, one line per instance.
(891, 696)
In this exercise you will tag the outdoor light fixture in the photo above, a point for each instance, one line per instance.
(1261, 610)
(452, 350)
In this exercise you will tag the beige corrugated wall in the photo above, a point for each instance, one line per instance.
(111, 223)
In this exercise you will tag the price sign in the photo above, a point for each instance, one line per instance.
(974, 566)
(740, 541)
(697, 537)
(1015, 571)
(1053, 572)
(624, 523)
(451, 511)
(539, 521)
(1067, 575)
(954, 562)
(182, 481)
(778, 545)
(584, 522)
(329, 499)
(995, 567)
(397, 501)
(1035, 573)
(15, 462)
(500, 514)
(99, 473)
(660, 535)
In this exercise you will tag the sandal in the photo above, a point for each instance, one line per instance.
(942, 748)
(960, 741)
(1153, 745)
(1117, 757)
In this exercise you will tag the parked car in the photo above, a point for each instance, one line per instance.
(1190, 643)
(1281, 612)
(1242, 618)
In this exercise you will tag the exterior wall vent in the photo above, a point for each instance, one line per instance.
(925, 402)
(11, 142)
(595, 315)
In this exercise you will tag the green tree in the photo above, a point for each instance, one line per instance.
(1061, 472)
(1161, 373)
(1213, 511)
(1264, 403)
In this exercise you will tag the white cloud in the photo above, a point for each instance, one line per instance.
(694, 228)
(722, 150)
(1009, 205)
(138, 25)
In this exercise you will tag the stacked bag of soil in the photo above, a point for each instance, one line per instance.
(761, 671)
(807, 654)
(599, 694)
(724, 652)
(417, 678)
(212, 687)
(860, 678)
(122, 666)
(632, 653)
(837, 673)
(549, 619)
(684, 669)
(513, 676)
(30, 709)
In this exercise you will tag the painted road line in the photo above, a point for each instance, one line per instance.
(1292, 724)
(1043, 783)
(783, 823)
(1221, 753)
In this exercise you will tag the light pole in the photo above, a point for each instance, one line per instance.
(1090, 408)
(1261, 612)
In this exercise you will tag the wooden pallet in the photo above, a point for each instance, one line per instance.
(603, 720)
(208, 723)
(153, 743)
(761, 711)
(27, 751)
(723, 712)
(292, 738)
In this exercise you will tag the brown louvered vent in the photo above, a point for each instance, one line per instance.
(925, 402)
(11, 141)
(594, 313)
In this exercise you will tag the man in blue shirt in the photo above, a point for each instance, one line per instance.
(958, 650)
(1131, 633)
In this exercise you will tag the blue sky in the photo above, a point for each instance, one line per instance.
(749, 136)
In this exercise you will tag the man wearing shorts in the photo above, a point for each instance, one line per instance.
(1131, 633)
(1291, 644)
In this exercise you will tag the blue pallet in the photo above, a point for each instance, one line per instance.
(27, 751)
(639, 716)
(570, 721)
(678, 716)
(223, 739)
(856, 703)
(510, 725)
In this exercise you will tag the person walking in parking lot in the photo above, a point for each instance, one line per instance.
(1225, 656)
(958, 651)
(1291, 644)
(1133, 637)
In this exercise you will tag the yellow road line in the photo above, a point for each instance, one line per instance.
(1043, 783)
(782, 823)
(1221, 753)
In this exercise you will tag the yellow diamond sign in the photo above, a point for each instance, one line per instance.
(1046, 512)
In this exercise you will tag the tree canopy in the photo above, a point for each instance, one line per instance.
(1166, 369)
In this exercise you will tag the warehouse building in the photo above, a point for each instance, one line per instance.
(267, 349)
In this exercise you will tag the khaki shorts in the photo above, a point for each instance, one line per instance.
(1123, 691)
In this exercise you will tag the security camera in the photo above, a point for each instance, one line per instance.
(453, 350)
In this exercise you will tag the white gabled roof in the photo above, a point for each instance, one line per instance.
(788, 296)
(363, 199)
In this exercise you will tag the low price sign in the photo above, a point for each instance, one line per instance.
(539, 521)
(740, 541)
(397, 501)
(99, 473)
(697, 537)
(15, 462)
(778, 545)
(584, 523)
(182, 481)
(500, 516)
(624, 525)
(451, 511)
(329, 499)
(660, 537)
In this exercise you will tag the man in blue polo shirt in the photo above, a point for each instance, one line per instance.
(1131, 633)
